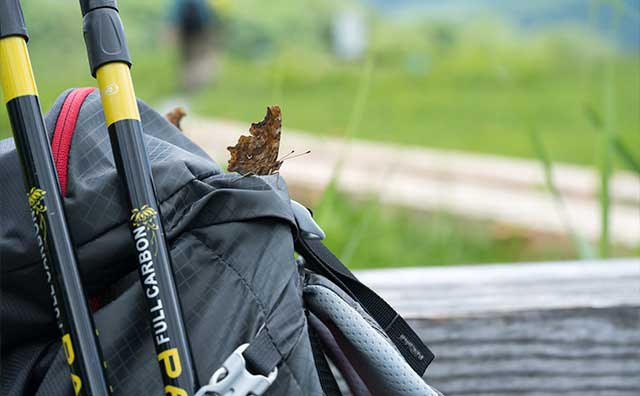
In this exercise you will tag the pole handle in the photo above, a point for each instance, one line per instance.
(104, 37)
(12, 20)
(89, 5)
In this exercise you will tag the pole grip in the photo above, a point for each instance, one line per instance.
(89, 5)
(104, 37)
(12, 20)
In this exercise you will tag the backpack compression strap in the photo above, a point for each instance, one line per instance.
(319, 259)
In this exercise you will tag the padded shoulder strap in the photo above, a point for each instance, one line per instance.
(64, 130)
(319, 259)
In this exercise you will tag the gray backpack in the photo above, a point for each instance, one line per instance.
(259, 320)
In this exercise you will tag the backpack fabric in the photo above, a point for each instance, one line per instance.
(232, 241)
(231, 245)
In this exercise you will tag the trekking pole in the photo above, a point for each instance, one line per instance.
(79, 336)
(110, 63)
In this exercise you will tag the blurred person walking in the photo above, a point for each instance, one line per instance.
(198, 28)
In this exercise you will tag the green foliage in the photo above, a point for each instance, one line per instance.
(625, 155)
(485, 113)
(331, 196)
(367, 235)
(581, 245)
(263, 28)
(473, 88)
(59, 57)
(476, 87)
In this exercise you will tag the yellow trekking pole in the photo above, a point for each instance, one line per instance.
(110, 62)
(79, 336)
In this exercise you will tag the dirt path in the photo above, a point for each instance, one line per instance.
(505, 190)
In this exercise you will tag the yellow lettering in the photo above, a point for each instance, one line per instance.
(68, 349)
(77, 384)
(171, 360)
(170, 390)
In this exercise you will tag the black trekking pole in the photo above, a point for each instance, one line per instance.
(79, 336)
(110, 63)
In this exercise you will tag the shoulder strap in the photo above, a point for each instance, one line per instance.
(61, 147)
(64, 130)
(319, 259)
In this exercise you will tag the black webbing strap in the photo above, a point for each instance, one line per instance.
(261, 355)
(262, 358)
(319, 259)
(327, 380)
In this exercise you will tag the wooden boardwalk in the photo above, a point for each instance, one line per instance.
(570, 329)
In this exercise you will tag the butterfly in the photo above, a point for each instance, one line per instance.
(257, 154)
(175, 116)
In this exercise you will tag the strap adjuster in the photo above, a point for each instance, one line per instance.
(233, 378)
(308, 227)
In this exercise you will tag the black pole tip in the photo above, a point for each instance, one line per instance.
(12, 20)
(90, 5)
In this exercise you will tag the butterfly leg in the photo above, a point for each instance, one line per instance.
(277, 173)
(243, 176)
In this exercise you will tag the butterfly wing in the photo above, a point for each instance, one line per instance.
(175, 116)
(258, 153)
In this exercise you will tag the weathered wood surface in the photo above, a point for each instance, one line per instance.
(525, 329)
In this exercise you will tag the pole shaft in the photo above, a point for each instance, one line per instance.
(111, 69)
(79, 336)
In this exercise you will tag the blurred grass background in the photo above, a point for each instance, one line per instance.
(481, 86)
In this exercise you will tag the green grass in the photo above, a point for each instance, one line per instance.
(479, 88)
(153, 73)
(366, 235)
(433, 110)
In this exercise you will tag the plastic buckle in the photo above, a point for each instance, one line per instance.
(233, 379)
(309, 229)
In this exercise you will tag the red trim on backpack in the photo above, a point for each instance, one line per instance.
(61, 145)
(63, 133)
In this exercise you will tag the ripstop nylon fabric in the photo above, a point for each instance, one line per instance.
(232, 250)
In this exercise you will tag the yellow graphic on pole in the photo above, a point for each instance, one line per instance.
(38, 208)
(36, 196)
(116, 90)
(71, 357)
(171, 390)
(68, 349)
(144, 216)
(171, 360)
(77, 384)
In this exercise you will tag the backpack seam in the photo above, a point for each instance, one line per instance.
(259, 303)
(198, 177)
(120, 224)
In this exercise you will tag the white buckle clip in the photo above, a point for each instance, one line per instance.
(233, 379)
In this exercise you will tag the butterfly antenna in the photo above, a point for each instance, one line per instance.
(290, 157)
(287, 155)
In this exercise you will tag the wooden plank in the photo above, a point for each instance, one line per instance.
(570, 329)
(581, 352)
(460, 291)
